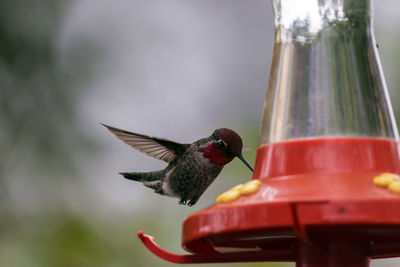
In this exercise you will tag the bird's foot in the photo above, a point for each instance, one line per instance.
(182, 201)
(191, 203)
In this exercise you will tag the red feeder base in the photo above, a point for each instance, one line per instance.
(317, 205)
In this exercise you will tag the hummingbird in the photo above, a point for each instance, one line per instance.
(191, 167)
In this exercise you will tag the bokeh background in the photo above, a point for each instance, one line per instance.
(176, 69)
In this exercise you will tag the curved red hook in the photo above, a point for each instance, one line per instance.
(263, 255)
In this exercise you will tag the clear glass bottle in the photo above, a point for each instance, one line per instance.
(326, 79)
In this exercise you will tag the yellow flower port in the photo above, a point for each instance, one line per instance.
(238, 190)
(390, 180)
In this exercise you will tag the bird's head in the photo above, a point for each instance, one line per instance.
(225, 145)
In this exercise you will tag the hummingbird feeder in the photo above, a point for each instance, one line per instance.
(329, 157)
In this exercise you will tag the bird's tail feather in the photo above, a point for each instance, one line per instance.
(142, 176)
(152, 180)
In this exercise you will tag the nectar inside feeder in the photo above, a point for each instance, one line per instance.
(328, 132)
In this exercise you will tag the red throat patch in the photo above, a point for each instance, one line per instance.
(215, 154)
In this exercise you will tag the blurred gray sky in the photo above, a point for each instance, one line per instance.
(173, 69)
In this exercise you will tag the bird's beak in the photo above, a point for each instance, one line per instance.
(245, 162)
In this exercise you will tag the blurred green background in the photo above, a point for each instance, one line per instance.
(175, 69)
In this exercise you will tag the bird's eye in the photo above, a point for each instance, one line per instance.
(221, 144)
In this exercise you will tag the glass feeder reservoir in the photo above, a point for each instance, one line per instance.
(326, 79)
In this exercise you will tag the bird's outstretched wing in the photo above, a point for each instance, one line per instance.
(158, 148)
